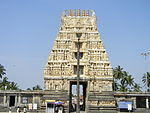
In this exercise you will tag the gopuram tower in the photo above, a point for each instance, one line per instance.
(96, 77)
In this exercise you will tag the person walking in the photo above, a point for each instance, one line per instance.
(10, 110)
(18, 109)
(25, 109)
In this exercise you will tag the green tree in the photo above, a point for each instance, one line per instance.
(130, 80)
(7, 85)
(123, 81)
(136, 87)
(146, 80)
(37, 87)
(4, 83)
(28, 88)
(117, 75)
(122, 88)
(13, 86)
(127, 82)
(2, 71)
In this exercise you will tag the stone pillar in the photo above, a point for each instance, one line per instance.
(33, 100)
(19, 100)
(16, 102)
(134, 103)
(5, 100)
(147, 102)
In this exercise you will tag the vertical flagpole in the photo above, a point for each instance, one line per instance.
(78, 72)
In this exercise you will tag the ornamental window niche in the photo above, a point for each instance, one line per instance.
(80, 44)
(81, 68)
(80, 55)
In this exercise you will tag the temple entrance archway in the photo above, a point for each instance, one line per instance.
(73, 96)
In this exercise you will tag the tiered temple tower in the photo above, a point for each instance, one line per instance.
(96, 74)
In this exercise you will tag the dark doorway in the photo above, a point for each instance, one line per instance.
(12, 101)
(141, 102)
(73, 96)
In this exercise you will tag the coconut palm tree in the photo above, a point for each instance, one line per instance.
(13, 86)
(2, 71)
(126, 82)
(130, 80)
(146, 79)
(136, 87)
(7, 85)
(117, 75)
(4, 84)
(123, 88)
(123, 82)
(117, 72)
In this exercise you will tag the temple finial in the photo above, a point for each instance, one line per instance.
(74, 13)
(83, 13)
(87, 13)
(78, 12)
(93, 13)
(69, 13)
(64, 13)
